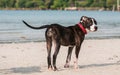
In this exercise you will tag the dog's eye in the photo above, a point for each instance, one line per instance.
(91, 24)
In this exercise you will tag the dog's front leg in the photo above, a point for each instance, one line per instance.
(68, 57)
(57, 47)
(77, 50)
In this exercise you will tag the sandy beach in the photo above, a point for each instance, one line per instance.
(97, 57)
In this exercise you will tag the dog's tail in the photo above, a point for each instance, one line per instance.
(41, 27)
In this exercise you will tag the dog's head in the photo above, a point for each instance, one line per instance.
(90, 24)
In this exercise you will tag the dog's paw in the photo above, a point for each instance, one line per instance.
(75, 65)
(66, 66)
(50, 68)
(55, 69)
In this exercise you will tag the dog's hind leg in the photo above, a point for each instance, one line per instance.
(49, 46)
(68, 57)
(57, 47)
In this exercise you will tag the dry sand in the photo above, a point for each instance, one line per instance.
(97, 57)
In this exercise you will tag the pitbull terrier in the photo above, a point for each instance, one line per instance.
(71, 36)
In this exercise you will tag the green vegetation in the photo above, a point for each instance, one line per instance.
(56, 4)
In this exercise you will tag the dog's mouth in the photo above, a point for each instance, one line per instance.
(93, 28)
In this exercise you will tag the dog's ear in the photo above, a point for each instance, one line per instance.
(83, 18)
(95, 21)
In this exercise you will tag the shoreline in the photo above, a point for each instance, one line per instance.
(27, 41)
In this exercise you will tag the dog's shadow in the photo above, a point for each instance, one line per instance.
(36, 69)
(97, 65)
(21, 70)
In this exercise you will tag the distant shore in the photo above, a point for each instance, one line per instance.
(67, 8)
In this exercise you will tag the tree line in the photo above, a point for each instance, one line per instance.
(56, 4)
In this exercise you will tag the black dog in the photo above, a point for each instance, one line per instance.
(71, 36)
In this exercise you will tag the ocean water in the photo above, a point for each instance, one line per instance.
(13, 30)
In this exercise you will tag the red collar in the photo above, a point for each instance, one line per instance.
(83, 29)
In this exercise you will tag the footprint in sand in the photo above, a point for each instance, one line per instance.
(114, 57)
(3, 56)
